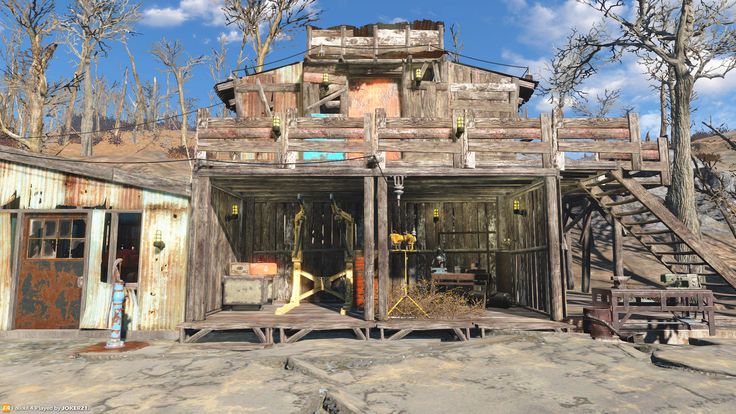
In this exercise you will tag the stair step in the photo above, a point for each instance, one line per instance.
(615, 191)
(663, 243)
(634, 222)
(592, 182)
(685, 263)
(636, 212)
(625, 201)
(715, 284)
(689, 253)
(651, 232)
(724, 295)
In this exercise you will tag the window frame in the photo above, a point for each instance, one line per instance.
(57, 218)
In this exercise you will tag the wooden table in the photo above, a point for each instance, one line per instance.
(465, 280)
(677, 301)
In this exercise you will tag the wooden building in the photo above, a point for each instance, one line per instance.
(487, 185)
(64, 222)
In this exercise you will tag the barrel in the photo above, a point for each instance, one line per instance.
(596, 329)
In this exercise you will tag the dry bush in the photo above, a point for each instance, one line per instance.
(449, 304)
(114, 139)
(179, 152)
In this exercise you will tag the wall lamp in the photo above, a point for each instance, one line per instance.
(325, 78)
(517, 208)
(459, 126)
(436, 215)
(417, 76)
(276, 125)
(158, 241)
(234, 214)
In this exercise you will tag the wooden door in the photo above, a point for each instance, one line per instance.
(368, 94)
(51, 271)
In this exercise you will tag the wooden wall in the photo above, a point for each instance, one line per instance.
(461, 249)
(279, 90)
(524, 237)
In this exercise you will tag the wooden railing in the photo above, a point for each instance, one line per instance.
(570, 144)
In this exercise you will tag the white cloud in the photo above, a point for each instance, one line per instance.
(546, 23)
(208, 11)
(649, 122)
(717, 86)
(397, 20)
(166, 17)
(230, 37)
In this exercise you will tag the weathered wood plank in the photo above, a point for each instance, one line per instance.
(302, 132)
(383, 253)
(482, 87)
(510, 147)
(368, 246)
(272, 87)
(617, 123)
(424, 146)
(505, 133)
(415, 133)
(593, 133)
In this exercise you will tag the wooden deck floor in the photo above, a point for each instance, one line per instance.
(310, 317)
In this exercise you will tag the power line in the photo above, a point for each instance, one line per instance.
(122, 128)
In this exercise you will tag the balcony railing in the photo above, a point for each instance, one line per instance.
(568, 144)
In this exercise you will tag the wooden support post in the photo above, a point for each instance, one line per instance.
(618, 258)
(556, 293)
(382, 237)
(368, 246)
(635, 137)
(587, 246)
(199, 245)
(568, 262)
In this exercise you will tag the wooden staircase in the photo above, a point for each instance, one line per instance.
(644, 216)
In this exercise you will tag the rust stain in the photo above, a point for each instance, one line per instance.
(368, 94)
(48, 296)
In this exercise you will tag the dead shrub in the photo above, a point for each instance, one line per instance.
(179, 152)
(449, 304)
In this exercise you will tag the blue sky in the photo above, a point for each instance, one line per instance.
(513, 31)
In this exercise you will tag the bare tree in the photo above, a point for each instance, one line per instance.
(263, 22)
(216, 66)
(140, 98)
(694, 40)
(171, 55)
(602, 107)
(15, 85)
(457, 44)
(89, 24)
(120, 104)
(36, 19)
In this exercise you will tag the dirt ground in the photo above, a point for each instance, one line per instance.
(504, 373)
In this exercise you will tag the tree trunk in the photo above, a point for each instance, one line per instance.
(69, 115)
(140, 99)
(663, 115)
(121, 103)
(182, 106)
(681, 194)
(85, 130)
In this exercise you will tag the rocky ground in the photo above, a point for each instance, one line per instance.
(505, 373)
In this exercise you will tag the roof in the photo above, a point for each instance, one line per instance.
(367, 29)
(109, 172)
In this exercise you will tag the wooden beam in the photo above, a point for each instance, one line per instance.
(635, 136)
(272, 87)
(618, 258)
(199, 246)
(264, 101)
(557, 295)
(368, 246)
(329, 97)
(587, 247)
(383, 253)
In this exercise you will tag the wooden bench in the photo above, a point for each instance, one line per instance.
(475, 284)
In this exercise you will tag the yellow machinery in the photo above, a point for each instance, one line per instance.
(321, 283)
(405, 243)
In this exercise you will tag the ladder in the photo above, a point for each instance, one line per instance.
(644, 216)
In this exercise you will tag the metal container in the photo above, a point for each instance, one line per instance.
(593, 327)
(246, 290)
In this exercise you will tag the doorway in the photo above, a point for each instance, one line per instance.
(50, 277)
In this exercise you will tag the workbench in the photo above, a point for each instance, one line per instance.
(680, 302)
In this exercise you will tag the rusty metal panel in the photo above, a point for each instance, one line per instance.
(49, 294)
(98, 294)
(6, 260)
(81, 191)
(162, 279)
(36, 187)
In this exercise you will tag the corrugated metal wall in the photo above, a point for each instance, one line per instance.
(162, 277)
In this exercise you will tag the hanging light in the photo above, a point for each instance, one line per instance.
(158, 241)
(276, 125)
(398, 187)
(234, 213)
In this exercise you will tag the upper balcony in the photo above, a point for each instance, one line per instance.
(467, 145)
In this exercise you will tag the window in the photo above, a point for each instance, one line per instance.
(56, 238)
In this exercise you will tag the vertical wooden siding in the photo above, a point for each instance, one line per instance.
(6, 261)
(98, 294)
